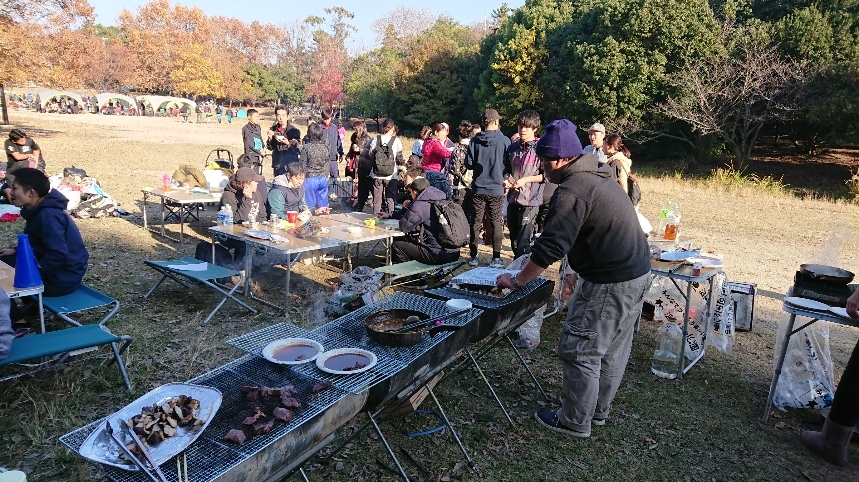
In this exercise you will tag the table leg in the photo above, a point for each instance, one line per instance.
(685, 331)
(388, 447)
(778, 366)
(162, 216)
(181, 223)
(388, 244)
(145, 200)
(286, 288)
(41, 313)
(248, 266)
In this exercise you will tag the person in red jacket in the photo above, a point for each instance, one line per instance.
(435, 151)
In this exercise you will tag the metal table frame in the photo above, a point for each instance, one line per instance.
(684, 274)
(793, 311)
(185, 205)
(7, 284)
(293, 246)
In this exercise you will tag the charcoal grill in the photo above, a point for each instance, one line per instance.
(500, 317)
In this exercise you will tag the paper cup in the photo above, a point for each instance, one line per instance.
(291, 216)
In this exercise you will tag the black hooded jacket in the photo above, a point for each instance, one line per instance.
(485, 155)
(591, 220)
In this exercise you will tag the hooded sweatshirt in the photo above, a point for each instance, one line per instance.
(283, 197)
(252, 140)
(592, 221)
(56, 242)
(419, 214)
(244, 207)
(485, 156)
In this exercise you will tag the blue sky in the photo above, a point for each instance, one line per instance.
(269, 11)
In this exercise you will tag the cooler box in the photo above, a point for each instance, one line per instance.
(743, 295)
(215, 178)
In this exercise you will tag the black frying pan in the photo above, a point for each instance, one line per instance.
(827, 273)
(379, 322)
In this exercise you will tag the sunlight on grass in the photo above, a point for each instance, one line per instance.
(853, 186)
(729, 178)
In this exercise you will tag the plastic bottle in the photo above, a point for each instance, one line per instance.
(669, 349)
(222, 216)
(228, 218)
(166, 180)
(669, 222)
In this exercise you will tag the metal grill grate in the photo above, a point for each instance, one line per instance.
(485, 301)
(255, 341)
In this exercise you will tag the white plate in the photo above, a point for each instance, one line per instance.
(320, 360)
(354, 229)
(257, 233)
(678, 255)
(806, 303)
(268, 351)
(706, 262)
(842, 312)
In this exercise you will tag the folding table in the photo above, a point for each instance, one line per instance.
(7, 280)
(179, 204)
(793, 311)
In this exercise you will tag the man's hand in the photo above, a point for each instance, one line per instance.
(293, 142)
(7, 252)
(852, 303)
(505, 281)
(383, 215)
(406, 203)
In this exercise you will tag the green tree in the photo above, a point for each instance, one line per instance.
(370, 81)
(276, 83)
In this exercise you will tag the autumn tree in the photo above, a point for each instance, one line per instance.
(195, 74)
(401, 26)
(325, 78)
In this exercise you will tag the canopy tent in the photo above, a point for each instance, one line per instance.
(105, 97)
(46, 96)
(159, 101)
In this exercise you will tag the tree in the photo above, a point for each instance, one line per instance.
(326, 78)
(370, 82)
(276, 83)
(195, 74)
(401, 26)
(733, 95)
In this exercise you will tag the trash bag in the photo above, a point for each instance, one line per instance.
(529, 333)
(357, 288)
(806, 379)
(567, 281)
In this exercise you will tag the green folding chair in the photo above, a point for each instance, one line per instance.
(206, 278)
(82, 299)
(405, 273)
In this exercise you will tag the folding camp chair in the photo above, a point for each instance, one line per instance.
(207, 277)
(82, 299)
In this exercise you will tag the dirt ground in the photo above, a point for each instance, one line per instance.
(762, 238)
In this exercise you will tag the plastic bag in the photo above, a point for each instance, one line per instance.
(567, 281)
(358, 288)
(806, 379)
(529, 332)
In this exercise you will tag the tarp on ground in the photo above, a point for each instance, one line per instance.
(48, 95)
(105, 97)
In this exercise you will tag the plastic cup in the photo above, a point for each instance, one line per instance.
(291, 216)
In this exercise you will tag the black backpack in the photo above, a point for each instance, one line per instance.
(452, 226)
(633, 188)
(384, 163)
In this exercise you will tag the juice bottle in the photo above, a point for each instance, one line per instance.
(166, 180)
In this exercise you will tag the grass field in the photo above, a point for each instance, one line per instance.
(701, 429)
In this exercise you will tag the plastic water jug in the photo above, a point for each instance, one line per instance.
(669, 349)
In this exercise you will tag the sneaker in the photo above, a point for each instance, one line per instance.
(472, 261)
(497, 263)
(550, 420)
(597, 421)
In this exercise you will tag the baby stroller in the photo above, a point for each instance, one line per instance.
(223, 157)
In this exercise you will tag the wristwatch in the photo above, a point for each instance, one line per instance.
(515, 283)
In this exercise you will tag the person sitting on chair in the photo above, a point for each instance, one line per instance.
(416, 220)
(287, 191)
(54, 237)
(244, 196)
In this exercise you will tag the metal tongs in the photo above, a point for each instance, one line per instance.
(433, 321)
(158, 476)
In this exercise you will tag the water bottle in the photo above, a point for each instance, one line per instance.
(228, 218)
(669, 349)
(166, 180)
(222, 216)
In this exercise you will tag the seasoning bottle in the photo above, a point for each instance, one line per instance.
(669, 349)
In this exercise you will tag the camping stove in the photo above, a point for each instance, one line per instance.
(831, 293)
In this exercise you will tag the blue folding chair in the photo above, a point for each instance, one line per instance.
(206, 277)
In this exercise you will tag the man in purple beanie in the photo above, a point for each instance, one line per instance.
(591, 221)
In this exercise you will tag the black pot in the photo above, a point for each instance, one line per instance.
(379, 322)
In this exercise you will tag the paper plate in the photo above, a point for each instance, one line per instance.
(678, 255)
(321, 359)
(257, 233)
(269, 352)
(806, 303)
(842, 312)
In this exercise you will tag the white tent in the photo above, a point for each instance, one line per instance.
(47, 95)
(159, 101)
(105, 97)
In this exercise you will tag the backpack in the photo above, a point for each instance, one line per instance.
(384, 163)
(453, 229)
(633, 188)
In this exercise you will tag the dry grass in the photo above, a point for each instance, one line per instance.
(703, 428)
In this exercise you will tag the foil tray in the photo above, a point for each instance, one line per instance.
(477, 294)
(481, 276)
(100, 447)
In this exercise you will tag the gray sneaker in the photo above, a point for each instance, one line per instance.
(497, 263)
(472, 261)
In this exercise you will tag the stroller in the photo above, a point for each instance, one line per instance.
(224, 162)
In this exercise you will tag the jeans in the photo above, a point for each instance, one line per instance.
(403, 251)
(594, 347)
(384, 190)
(492, 204)
(316, 191)
(520, 222)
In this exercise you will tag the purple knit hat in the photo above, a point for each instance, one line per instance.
(559, 141)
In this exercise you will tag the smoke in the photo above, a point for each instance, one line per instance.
(830, 253)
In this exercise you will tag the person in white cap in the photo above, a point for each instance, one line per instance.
(596, 134)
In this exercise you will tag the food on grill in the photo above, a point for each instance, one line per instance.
(235, 436)
(289, 402)
(356, 366)
(321, 386)
(484, 290)
(156, 423)
(281, 413)
(252, 394)
(347, 362)
(258, 414)
(263, 428)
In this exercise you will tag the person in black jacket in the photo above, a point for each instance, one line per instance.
(54, 237)
(592, 222)
(416, 220)
(282, 141)
(252, 140)
(244, 196)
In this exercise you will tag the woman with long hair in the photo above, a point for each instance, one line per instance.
(316, 158)
(618, 159)
(435, 150)
(418, 146)
(361, 165)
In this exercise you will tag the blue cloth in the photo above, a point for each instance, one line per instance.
(56, 241)
(316, 191)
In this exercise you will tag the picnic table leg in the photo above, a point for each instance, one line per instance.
(286, 289)
(181, 223)
(248, 265)
(41, 313)
(162, 216)
(685, 330)
(145, 200)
